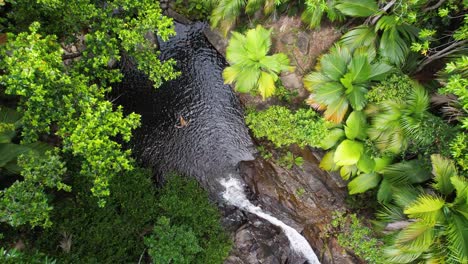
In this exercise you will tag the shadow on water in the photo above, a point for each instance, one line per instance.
(214, 138)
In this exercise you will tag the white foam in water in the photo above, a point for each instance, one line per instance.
(235, 195)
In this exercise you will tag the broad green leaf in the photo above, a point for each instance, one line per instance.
(381, 163)
(357, 97)
(379, 71)
(333, 65)
(334, 135)
(347, 172)
(277, 63)
(347, 81)
(384, 194)
(363, 182)
(358, 37)
(9, 152)
(348, 152)
(356, 125)
(247, 80)
(336, 110)
(327, 162)
(315, 79)
(360, 68)
(230, 74)
(361, 8)
(426, 207)
(257, 42)
(443, 169)
(235, 51)
(416, 236)
(366, 164)
(266, 85)
(393, 47)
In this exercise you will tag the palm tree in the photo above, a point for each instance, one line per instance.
(251, 68)
(395, 122)
(342, 79)
(436, 228)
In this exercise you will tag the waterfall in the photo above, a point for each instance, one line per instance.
(235, 195)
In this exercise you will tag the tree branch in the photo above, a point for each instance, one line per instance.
(383, 10)
(442, 53)
(434, 6)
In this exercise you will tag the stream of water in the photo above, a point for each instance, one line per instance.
(214, 138)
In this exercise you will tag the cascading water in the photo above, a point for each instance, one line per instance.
(214, 139)
(235, 195)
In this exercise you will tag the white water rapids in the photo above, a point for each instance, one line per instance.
(235, 195)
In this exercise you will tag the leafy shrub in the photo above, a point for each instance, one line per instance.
(342, 79)
(394, 87)
(459, 150)
(283, 127)
(187, 206)
(252, 70)
(436, 221)
(17, 257)
(172, 244)
(353, 235)
(195, 9)
(112, 234)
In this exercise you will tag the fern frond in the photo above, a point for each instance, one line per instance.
(426, 207)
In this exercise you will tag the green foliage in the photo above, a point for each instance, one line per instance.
(252, 70)
(459, 150)
(394, 87)
(13, 256)
(181, 211)
(187, 206)
(438, 219)
(226, 12)
(353, 235)
(342, 80)
(283, 127)
(172, 244)
(195, 9)
(25, 202)
(288, 161)
(112, 234)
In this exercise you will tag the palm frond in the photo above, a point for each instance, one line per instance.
(442, 169)
(253, 6)
(406, 172)
(404, 195)
(391, 213)
(457, 238)
(398, 255)
(426, 207)
(417, 236)
(358, 37)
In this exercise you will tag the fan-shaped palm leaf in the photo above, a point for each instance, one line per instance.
(416, 236)
(442, 169)
(457, 238)
(426, 207)
(361, 36)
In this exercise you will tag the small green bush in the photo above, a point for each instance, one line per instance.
(395, 87)
(195, 9)
(284, 127)
(15, 257)
(172, 244)
(112, 234)
(358, 238)
(187, 205)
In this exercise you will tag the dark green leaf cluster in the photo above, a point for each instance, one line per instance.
(394, 87)
(195, 9)
(187, 206)
(284, 127)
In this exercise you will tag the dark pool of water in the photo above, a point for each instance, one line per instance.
(215, 139)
